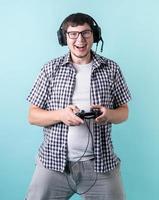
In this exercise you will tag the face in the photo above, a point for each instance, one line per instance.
(80, 44)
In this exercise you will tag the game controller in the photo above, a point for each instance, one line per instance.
(94, 113)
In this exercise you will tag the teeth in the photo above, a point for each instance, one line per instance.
(80, 47)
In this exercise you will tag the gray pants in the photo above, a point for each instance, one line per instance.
(80, 178)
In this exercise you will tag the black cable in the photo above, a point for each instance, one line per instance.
(101, 50)
(86, 146)
(102, 45)
(88, 126)
(96, 47)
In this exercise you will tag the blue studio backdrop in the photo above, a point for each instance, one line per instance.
(28, 40)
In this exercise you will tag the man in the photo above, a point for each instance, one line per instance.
(77, 154)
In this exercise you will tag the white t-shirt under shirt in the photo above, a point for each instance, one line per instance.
(78, 135)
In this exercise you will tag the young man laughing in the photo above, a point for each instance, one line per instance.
(77, 155)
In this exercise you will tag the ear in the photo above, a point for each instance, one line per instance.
(96, 33)
(61, 37)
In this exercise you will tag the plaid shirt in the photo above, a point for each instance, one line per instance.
(53, 90)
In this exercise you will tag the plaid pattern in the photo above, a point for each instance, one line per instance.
(53, 90)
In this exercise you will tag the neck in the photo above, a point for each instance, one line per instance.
(81, 59)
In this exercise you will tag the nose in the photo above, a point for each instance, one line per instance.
(80, 37)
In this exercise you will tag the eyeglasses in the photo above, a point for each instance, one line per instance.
(74, 34)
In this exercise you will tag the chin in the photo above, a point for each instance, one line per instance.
(81, 55)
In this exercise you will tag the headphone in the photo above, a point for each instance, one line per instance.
(96, 33)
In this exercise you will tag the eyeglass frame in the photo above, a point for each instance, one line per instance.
(78, 33)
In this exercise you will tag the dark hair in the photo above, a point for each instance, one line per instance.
(77, 19)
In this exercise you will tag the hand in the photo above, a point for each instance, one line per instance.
(104, 117)
(68, 116)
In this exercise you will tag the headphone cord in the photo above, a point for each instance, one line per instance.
(96, 47)
(102, 41)
(91, 134)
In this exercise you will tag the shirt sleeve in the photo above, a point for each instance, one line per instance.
(38, 94)
(121, 92)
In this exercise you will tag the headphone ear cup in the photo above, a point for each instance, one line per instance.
(97, 34)
(61, 38)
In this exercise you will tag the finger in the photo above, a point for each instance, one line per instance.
(101, 122)
(96, 106)
(75, 119)
(78, 119)
(99, 119)
(74, 123)
(101, 116)
(70, 107)
(74, 108)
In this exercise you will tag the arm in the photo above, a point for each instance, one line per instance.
(114, 116)
(40, 117)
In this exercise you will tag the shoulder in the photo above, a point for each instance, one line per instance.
(50, 68)
(106, 63)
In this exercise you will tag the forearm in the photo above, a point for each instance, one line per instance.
(118, 115)
(114, 116)
(41, 117)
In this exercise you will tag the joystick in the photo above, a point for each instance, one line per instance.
(94, 113)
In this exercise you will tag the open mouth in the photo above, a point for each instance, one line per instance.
(81, 48)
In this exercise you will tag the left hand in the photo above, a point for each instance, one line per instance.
(104, 117)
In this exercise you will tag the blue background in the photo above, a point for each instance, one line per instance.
(28, 39)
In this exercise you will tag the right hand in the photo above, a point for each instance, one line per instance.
(68, 117)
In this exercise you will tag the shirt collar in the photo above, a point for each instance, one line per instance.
(67, 58)
(97, 59)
